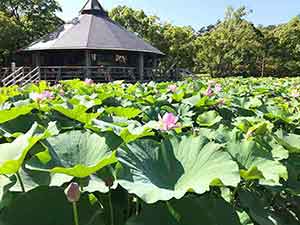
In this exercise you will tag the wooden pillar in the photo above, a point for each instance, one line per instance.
(155, 64)
(87, 63)
(36, 59)
(141, 66)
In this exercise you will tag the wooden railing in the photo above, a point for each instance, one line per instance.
(32, 77)
(53, 74)
(4, 71)
(21, 76)
(98, 74)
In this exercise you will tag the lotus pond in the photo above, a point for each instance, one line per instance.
(194, 152)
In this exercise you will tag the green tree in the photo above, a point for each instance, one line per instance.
(288, 36)
(9, 35)
(31, 18)
(232, 47)
(175, 41)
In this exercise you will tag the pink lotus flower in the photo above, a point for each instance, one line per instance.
(172, 87)
(88, 81)
(295, 93)
(218, 88)
(209, 92)
(73, 192)
(168, 122)
(42, 96)
(47, 95)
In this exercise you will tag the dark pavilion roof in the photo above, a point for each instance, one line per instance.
(92, 30)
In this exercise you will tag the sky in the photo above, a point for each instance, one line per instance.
(197, 13)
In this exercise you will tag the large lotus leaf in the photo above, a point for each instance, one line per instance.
(293, 166)
(290, 141)
(85, 100)
(75, 153)
(192, 100)
(252, 102)
(10, 114)
(253, 125)
(128, 113)
(257, 162)
(5, 182)
(131, 130)
(49, 206)
(245, 218)
(261, 211)
(160, 171)
(203, 210)
(103, 181)
(277, 113)
(208, 119)
(33, 179)
(13, 154)
(78, 113)
(21, 124)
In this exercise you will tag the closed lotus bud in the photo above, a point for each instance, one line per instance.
(73, 192)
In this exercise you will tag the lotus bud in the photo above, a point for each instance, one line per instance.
(73, 192)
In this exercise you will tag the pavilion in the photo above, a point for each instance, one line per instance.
(91, 46)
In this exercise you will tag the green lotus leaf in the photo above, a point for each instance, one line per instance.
(75, 153)
(10, 114)
(160, 171)
(206, 209)
(290, 141)
(27, 209)
(293, 165)
(132, 132)
(208, 119)
(260, 211)
(245, 218)
(253, 102)
(32, 179)
(192, 100)
(96, 184)
(257, 162)
(128, 113)
(5, 184)
(13, 154)
(78, 113)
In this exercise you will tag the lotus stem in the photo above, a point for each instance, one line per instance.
(75, 214)
(21, 182)
(111, 210)
(128, 205)
(137, 207)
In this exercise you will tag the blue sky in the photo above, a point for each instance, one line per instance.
(197, 13)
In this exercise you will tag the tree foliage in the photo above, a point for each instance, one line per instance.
(175, 41)
(9, 35)
(23, 21)
(233, 46)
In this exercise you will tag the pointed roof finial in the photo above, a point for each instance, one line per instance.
(93, 7)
